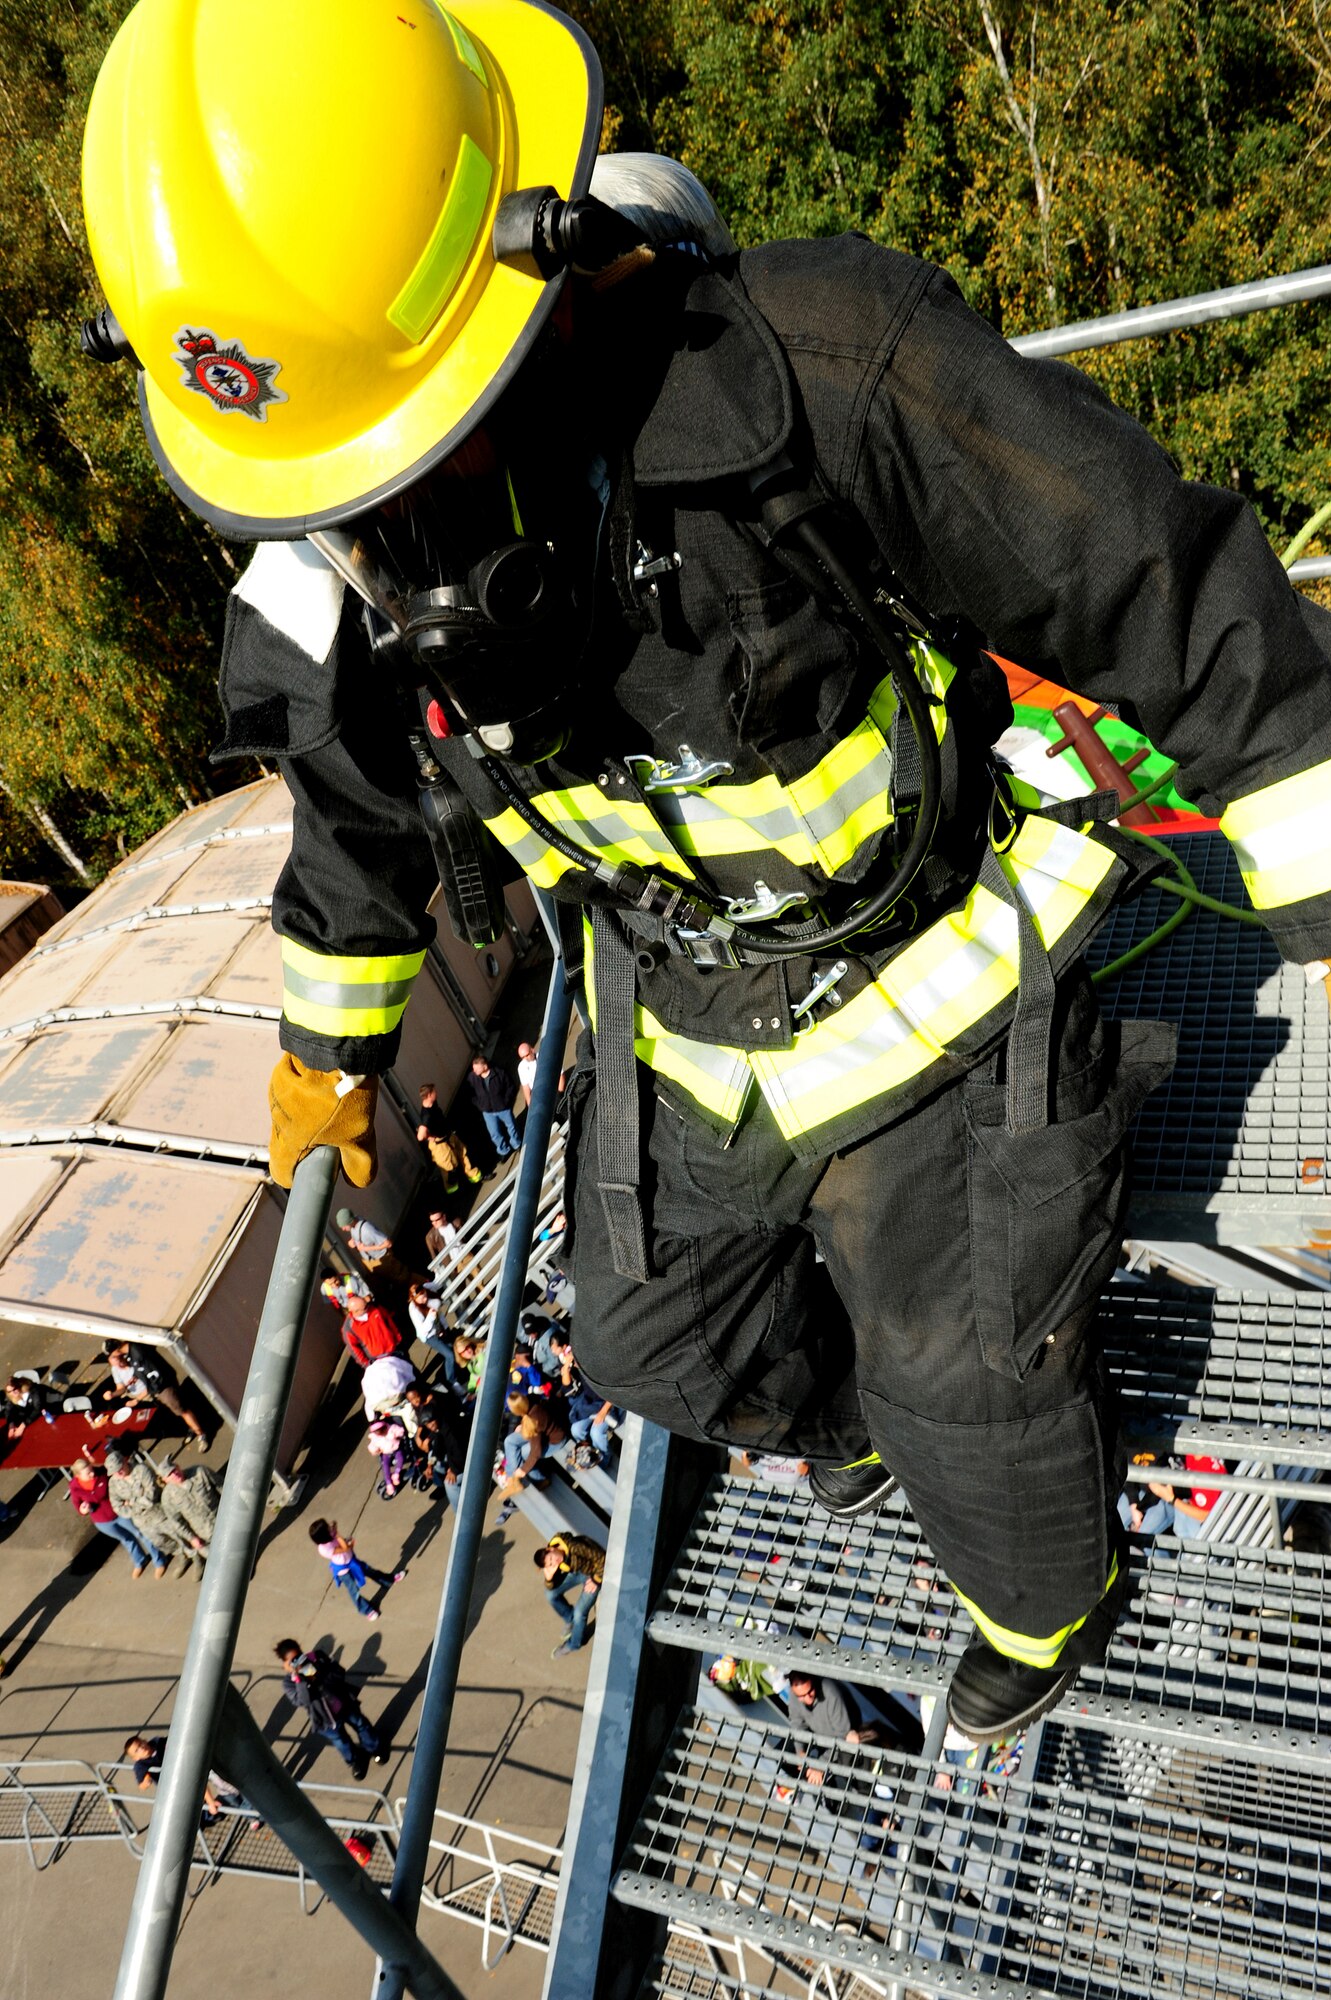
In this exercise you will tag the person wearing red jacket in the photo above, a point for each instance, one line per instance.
(89, 1496)
(369, 1331)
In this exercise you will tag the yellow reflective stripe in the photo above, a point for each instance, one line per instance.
(536, 858)
(1032, 1652)
(1281, 837)
(942, 984)
(819, 821)
(346, 998)
(714, 1076)
(351, 971)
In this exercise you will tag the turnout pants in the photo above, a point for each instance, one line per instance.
(952, 1320)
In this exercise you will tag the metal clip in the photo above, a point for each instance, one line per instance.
(763, 905)
(648, 567)
(690, 770)
(823, 988)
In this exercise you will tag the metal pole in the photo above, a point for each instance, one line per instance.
(469, 1517)
(145, 1963)
(246, 1760)
(1232, 302)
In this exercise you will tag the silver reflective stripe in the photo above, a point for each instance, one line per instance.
(692, 809)
(333, 993)
(996, 940)
(871, 783)
(1286, 840)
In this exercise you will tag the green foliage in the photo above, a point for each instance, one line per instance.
(1061, 157)
(1062, 160)
(110, 594)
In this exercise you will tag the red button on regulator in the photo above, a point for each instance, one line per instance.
(437, 722)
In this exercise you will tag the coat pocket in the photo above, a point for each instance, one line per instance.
(1047, 1206)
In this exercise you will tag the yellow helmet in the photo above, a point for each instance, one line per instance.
(290, 206)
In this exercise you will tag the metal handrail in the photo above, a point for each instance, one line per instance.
(160, 1890)
(1171, 315)
(469, 1518)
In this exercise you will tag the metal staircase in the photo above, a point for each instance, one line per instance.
(1167, 1831)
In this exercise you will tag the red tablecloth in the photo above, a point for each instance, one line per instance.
(71, 1437)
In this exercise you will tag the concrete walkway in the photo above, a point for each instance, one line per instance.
(93, 1655)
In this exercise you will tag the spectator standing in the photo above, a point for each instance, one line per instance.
(140, 1375)
(136, 1497)
(824, 1710)
(429, 1325)
(316, 1685)
(492, 1091)
(387, 1442)
(384, 1383)
(369, 1331)
(444, 1147)
(347, 1568)
(89, 1496)
(571, 1563)
(526, 1071)
(374, 1249)
(189, 1501)
(444, 1241)
(344, 1286)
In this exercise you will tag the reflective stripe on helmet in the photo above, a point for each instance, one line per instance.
(1032, 1652)
(1281, 837)
(345, 998)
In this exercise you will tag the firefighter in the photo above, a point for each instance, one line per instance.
(663, 574)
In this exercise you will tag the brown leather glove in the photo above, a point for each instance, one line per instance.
(307, 1112)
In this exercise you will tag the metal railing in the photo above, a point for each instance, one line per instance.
(498, 1882)
(1172, 315)
(211, 1726)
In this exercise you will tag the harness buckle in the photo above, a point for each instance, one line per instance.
(763, 905)
(707, 951)
(690, 770)
(823, 988)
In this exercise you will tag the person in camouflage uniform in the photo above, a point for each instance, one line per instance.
(135, 1495)
(189, 1501)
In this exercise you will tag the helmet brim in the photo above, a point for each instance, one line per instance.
(554, 76)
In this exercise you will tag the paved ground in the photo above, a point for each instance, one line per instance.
(94, 1654)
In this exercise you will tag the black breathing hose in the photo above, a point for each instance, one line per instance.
(689, 905)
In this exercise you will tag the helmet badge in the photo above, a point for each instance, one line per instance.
(222, 371)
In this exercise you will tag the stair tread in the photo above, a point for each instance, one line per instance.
(1217, 1644)
(1223, 1371)
(1135, 1888)
(1250, 1096)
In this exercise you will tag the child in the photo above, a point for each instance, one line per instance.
(339, 1551)
(385, 1442)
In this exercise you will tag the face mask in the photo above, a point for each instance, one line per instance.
(468, 600)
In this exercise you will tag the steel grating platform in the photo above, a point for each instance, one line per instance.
(1223, 1372)
(1234, 1149)
(992, 1887)
(1217, 1645)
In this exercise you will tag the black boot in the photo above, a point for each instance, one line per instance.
(847, 1490)
(993, 1697)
